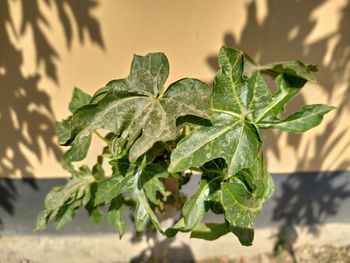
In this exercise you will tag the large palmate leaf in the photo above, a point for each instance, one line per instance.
(232, 135)
(139, 110)
(242, 103)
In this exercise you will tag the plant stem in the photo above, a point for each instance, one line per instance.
(101, 137)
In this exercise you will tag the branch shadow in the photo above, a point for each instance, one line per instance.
(26, 115)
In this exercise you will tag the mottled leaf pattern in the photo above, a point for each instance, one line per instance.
(139, 110)
(229, 137)
(62, 202)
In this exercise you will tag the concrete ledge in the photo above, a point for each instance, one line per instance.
(108, 247)
(314, 205)
(303, 199)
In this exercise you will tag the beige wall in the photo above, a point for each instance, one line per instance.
(190, 33)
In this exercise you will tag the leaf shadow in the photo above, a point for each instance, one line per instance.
(26, 114)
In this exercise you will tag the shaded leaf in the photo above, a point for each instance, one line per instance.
(151, 183)
(245, 235)
(293, 68)
(210, 231)
(115, 215)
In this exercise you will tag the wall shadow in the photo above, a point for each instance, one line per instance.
(282, 35)
(162, 251)
(309, 200)
(26, 115)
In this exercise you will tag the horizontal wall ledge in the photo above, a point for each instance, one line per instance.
(300, 199)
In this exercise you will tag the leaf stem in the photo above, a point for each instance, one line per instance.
(230, 113)
(101, 137)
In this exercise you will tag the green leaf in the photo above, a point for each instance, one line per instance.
(287, 88)
(65, 214)
(96, 215)
(151, 183)
(97, 170)
(258, 96)
(172, 231)
(62, 130)
(79, 99)
(42, 220)
(143, 211)
(228, 82)
(112, 187)
(100, 94)
(239, 204)
(139, 110)
(115, 215)
(309, 117)
(62, 202)
(293, 68)
(194, 208)
(59, 196)
(210, 231)
(231, 138)
(245, 235)
(243, 197)
(139, 183)
(77, 151)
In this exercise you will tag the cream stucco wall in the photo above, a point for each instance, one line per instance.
(190, 33)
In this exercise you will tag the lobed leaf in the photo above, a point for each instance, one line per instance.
(139, 110)
(62, 202)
